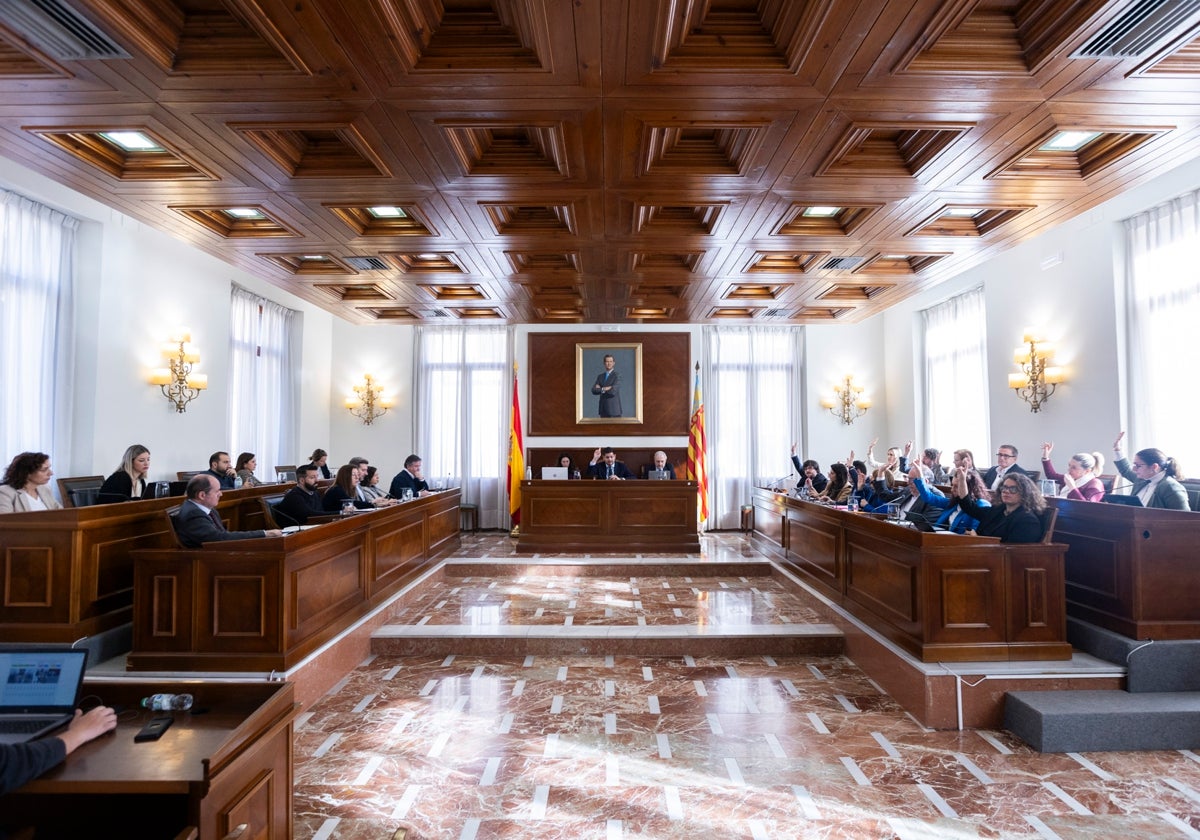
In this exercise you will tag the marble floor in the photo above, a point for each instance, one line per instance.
(619, 746)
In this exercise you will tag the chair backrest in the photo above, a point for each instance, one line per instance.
(1193, 490)
(275, 517)
(171, 513)
(1107, 479)
(186, 475)
(288, 469)
(80, 491)
(1049, 516)
(1034, 475)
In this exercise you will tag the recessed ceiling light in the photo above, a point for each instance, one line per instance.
(315, 257)
(961, 212)
(429, 257)
(385, 211)
(895, 256)
(245, 213)
(1068, 141)
(131, 141)
(821, 212)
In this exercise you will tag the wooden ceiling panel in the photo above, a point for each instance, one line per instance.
(423, 161)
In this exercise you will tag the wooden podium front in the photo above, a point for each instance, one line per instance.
(585, 516)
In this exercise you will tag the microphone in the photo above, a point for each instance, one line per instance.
(775, 484)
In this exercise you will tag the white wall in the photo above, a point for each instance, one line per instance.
(831, 352)
(136, 285)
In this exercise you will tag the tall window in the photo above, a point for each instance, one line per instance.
(1163, 308)
(462, 401)
(262, 376)
(954, 392)
(751, 398)
(37, 248)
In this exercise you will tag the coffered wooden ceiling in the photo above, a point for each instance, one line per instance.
(605, 160)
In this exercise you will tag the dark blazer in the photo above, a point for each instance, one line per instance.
(610, 401)
(1169, 493)
(990, 475)
(819, 480)
(118, 487)
(194, 526)
(600, 470)
(225, 481)
(404, 479)
(298, 504)
(335, 497)
(324, 471)
(1021, 526)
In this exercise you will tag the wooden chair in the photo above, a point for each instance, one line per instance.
(186, 475)
(170, 513)
(1049, 516)
(1108, 479)
(1034, 475)
(80, 491)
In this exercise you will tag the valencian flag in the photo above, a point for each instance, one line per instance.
(697, 449)
(516, 456)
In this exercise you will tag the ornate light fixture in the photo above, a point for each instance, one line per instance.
(848, 403)
(369, 402)
(178, 383)
(1035, 383)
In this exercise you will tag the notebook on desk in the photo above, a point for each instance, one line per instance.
(38, 691)
(657, 475)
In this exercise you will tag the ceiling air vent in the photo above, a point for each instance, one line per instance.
(366, 263)
(842, 263)
(439, 313)
(58, 30)
(1137, 29)
(775, 313)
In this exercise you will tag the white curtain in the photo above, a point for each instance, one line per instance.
(37, 265)
(954, 381)
(751, 386)
(262, 382)
(1163, 309)
(463, 395)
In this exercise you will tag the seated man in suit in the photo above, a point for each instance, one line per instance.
(220, 468)
(604, 464)
(303, 500)
(409, 478)
(660, 463)
(1006, 464)
(197, 521)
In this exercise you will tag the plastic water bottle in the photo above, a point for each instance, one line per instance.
(167, 702)
(237, 482)
(529, 473)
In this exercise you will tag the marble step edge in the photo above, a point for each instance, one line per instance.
(586, 631)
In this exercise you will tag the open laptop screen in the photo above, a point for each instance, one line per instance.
(40, 681)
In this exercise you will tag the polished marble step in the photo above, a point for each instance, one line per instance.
(1102, 721)
(640, 640)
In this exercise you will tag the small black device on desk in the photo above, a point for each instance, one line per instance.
(153, 730)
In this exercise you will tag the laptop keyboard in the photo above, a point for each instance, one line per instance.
(24, 727)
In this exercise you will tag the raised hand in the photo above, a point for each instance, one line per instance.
(793, 449)
(908, 448)
(1046, 448)
(1117, 443)
(596, 455)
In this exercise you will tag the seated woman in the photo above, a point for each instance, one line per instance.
(26, 484)
(369, 488)
(891, 465)
(344, 489)
(246, 464)
(128, 482)
(1155, 477)
(1082, 481)
(1016, 518)
(810, 470)
(963, 459)
(952, 517)
(566, 462)
(837, 490)
(318, 460)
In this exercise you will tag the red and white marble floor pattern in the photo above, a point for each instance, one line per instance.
(684, 747)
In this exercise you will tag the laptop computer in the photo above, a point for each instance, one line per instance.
(38, 690)
(657, 475)
(554, 473)
(1122, 499)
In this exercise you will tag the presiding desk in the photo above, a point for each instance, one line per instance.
(1132, 570)
(633, 516)
(226, 763)
(69, 573)
(264, 604)
(940, 596)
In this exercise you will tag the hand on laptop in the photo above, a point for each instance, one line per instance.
(85, 727)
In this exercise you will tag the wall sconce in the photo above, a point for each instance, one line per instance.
(369, 402)
(848, 403)
(1035, 383)
(178, 383)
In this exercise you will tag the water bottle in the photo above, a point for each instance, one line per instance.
(237, 482)
(167, 702)
(347, 507)
(529, 473)
(576, 475)
(852, 502)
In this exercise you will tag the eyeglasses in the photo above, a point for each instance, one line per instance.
(1138, 466)
(1009, 488)
(1005, 455)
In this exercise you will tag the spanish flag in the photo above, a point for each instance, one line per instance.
(516, 456)
(697, 450)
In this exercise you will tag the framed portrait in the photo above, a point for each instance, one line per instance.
(608, 383)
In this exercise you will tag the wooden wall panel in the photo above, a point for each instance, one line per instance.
(667, 379)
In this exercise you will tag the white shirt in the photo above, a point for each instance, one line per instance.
(1146, 492)
(1000, 471)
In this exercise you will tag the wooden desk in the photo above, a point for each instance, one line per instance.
(69, 573)
(582, 516)
(942, 597)
(214, 770)
(265, 604)
(1132, 570)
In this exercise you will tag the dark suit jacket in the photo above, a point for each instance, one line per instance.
(600, 470)
(990, 475)
(118, 487)
(193, 526)
(225, 481)
(610, 401)
(298, 504)
(1168, 494)
(819, 480)
(405, 479)
(1021, 526)
(335, 497)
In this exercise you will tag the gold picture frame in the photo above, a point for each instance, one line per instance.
(597, 402)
